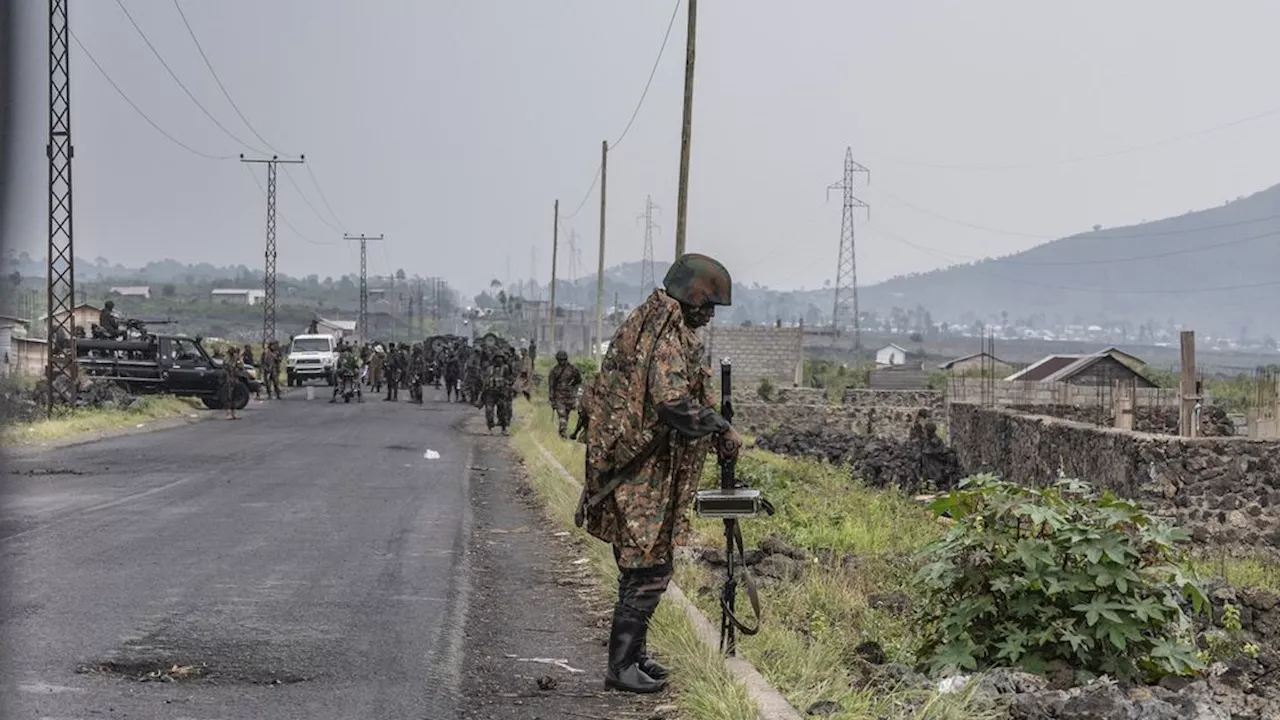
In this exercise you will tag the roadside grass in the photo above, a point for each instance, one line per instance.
(704, 689)
(853, 590)
(80, 421)
(858, 541)
(1257, 571)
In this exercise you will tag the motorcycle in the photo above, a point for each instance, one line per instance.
(349, 388)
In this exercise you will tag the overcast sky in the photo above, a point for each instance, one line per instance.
(452, 126)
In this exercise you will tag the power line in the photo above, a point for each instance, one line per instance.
(585, 196)
(323, 199)
(138, 110)
(1093, 156)
(280, 216)
(654, 71)
(218, 80)
(289, 176)
(174, 75)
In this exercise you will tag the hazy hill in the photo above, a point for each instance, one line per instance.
(1217, 270)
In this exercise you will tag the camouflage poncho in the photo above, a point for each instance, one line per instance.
(653, 360)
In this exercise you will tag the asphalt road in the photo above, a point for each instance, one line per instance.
(305, 561)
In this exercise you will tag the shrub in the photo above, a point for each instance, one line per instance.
(1028, 576)
(765, 390)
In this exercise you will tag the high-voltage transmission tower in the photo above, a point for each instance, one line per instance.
(60, 372)
(362, 321)
(269, 261)
(846, 303)
(647, 279)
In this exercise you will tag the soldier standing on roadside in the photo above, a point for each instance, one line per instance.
(271, 369)
(394, 367)
(651, 424)
(233, 367)
(563, 383)
(377, 361)
(497, 392)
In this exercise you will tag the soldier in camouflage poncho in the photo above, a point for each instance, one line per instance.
(650, 424)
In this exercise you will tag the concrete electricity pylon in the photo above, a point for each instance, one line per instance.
(362, 320)
(846, 301)
(269, 263)
(60, 370)
(647, 279)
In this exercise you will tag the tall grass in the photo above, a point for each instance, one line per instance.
(85, 420)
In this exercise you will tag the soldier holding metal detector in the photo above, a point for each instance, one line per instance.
(651, 423)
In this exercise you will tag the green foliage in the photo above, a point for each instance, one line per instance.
(1028, 576)
(1162, 377)
(765, 390)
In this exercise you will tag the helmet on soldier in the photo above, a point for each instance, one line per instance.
(562, 356)
(698, 280)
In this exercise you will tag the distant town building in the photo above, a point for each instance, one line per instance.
(891, 354)
(83, 316)
(138, 291)
(976, 362)
(238, 296)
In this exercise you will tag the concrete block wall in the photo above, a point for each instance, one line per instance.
(757, 353)
(1021, 392)
(1225, 491)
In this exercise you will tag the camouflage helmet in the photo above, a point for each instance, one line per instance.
(698, 280)
(562, 355)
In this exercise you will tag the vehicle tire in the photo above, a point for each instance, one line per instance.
(240, 396)
(212, 403)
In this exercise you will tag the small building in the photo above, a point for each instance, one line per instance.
(1133, 361)
(1097, 369)
(83, 316)
(27, 356)
(11, 328)
(342, 329)
(891, 354)
(238, 296)
(138, 291)
(976, 363)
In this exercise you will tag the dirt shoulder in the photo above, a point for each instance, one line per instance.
(537, 625)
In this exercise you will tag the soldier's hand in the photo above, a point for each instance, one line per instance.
(728, 444)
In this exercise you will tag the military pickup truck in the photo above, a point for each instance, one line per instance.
(171, 364)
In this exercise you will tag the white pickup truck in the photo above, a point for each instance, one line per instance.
(312, 357)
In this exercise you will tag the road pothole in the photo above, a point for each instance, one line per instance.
(148, 671)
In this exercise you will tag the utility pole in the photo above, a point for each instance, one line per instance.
(604, 176)
(846, 301)
(555, 249)
(61, 274)
(686, 133)
(269, 262)
(647, 279)
(362, 320)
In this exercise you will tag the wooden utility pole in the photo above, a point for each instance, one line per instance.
(1187, 390)
(604, 176)
(555, 246)
(686, 134)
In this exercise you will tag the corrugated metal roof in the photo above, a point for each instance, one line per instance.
(1041, 370)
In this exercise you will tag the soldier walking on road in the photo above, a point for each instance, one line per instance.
(452, 373)
(395, 368)
(651, 425)
(563, 381)
(377, 361)
(497, 392)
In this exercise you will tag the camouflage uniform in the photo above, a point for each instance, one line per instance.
(472, 379)
(271, 369)
(452, 373)
(563, 383)
(498, 392)
(417, 373)
(348, 368)
(394, 368)
(650, 424)
(233, 366)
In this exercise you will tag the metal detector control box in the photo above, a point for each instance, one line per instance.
(728, 504)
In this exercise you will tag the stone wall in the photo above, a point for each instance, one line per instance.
(757, 353)
(1226, 491)
(879, 413)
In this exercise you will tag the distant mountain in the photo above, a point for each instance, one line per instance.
(1215, 270)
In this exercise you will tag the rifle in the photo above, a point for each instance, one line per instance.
(731, 502)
